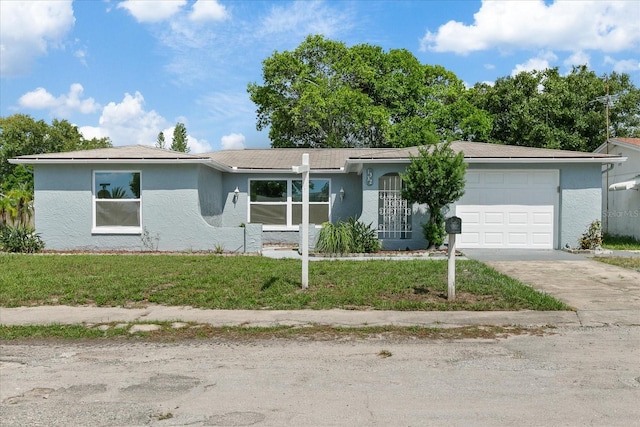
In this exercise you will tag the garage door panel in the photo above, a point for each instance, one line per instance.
(509, 209)
(517, 238)
(494, 218)
(493, 238)
(518, 218)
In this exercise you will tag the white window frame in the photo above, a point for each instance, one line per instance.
(289, 226)
(114, 229)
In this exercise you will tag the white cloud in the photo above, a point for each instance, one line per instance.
(63, 105)
(623, 65)
(234, 141)
(28, 29)
(610, 26)
(90, 132)
(195, 145)
(152, 10)
(577, 58)
(539, 63)
(208, 10)
(128, 123)
(306, 17)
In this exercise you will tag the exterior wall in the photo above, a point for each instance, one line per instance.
(579, 201)
(370, 208)
(193, 207)
(176, 215)
(621, 209)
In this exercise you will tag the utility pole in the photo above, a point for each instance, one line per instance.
(608, 101)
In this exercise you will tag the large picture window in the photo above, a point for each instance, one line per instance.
(277, 204)
(116, 202)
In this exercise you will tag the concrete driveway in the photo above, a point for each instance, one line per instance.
(601, 293)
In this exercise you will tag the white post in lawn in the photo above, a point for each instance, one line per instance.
(304, 170)
(451, 268)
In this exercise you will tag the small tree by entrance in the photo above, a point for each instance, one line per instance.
(435, 178)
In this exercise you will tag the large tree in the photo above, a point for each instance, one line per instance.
(549, 110)
(20, 135)
(325, 94)
(179, 141)
(435, 178)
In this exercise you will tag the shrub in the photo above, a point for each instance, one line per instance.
(364, 237)
(20, 239)
(434, 232)
(592, 238)
(347, 237)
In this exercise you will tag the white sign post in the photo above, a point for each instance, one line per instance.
(452, 226)
(451, 268)
(304, 170)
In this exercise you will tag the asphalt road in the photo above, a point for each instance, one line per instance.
(575, 377)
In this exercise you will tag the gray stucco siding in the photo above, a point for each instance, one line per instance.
(370, 196)
(580, 200)
(174, 199)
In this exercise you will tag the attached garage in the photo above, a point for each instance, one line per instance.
(509, 209)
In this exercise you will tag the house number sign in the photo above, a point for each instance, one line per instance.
(369, 175)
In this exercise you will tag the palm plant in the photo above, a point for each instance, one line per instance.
(17, 206)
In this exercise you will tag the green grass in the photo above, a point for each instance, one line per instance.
(251, 282)
(624, 262)
(194, 331)
(621, 243)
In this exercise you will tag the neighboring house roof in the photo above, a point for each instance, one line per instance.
(632, 143)
(321, 159)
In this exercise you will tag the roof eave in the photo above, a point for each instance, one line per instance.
(355, 165)
(616, 159)
(48, 161)
(283, 171)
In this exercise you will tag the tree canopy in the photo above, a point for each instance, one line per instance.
(179, 141)
(21, 135)
(325, 94)
(547, 110)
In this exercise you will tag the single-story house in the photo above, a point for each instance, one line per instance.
(621, 188)
(139, 197)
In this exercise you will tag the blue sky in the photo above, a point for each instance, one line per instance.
(131, 69)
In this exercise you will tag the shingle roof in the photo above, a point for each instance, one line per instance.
(320, 158)
(282, 158)
(335, 158)
(138, 152)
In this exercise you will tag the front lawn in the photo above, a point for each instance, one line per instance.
(253, 282)
(622, 243)
(624, 262)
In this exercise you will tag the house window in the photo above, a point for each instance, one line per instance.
(394, 212)
(116, 202)
(277, 204)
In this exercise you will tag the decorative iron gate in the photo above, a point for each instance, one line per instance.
(394, 213)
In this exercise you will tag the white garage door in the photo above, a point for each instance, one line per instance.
(509, 209)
